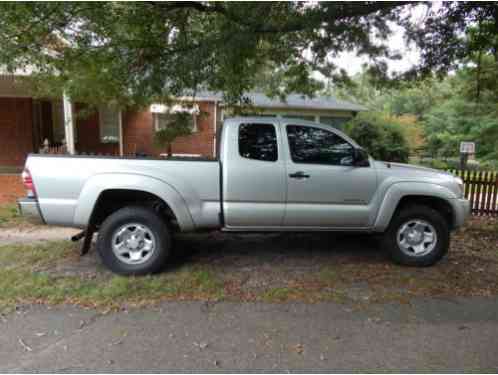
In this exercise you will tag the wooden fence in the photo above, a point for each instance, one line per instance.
(481, 188)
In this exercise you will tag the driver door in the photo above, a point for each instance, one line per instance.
(324, 188)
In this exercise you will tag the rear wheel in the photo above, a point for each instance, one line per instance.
(417, 236)
(134, 241)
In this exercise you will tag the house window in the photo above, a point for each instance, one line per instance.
(161, 121)
(109, 121)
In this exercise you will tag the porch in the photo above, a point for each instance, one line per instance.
(29, 124)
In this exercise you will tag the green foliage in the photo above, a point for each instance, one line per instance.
(462, 106)
(28, 275)
(10, 216)
(439, 164)
(134, 53)
(458, 119)
(179, 124)
(138, 52)
(380, 135)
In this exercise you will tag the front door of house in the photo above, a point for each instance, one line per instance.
(16, 131)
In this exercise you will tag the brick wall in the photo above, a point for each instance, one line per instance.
(16, 130)
(88, 136)
(11, 187)
(138, 133)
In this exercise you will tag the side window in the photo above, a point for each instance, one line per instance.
(258, 142)
(317, 146)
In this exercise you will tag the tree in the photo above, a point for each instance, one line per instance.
(380, 135)
(137, 52)
(179, 125)
(134, 53)
(448, 37)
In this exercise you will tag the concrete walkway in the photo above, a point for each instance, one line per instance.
(428, 335)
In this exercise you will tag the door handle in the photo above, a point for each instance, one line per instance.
(299, 175)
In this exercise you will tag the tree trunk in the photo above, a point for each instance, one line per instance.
(478, 78)
(170, 151)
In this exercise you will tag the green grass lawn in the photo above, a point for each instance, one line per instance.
(9, 216)
(277, 269)
(26, 277)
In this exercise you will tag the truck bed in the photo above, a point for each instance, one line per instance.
(60, 181)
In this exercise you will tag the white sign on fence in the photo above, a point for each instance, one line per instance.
(467, 147)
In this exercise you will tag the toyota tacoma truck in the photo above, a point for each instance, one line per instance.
(271, 174)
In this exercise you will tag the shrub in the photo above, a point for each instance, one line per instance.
(413, 131)
(439, 164)
(380, 135)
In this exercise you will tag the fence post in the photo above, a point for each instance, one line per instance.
(495, 196)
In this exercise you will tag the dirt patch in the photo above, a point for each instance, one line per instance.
(24, 234)
(316, 267)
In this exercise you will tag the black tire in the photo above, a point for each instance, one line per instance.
(417, 212)
(129, 215)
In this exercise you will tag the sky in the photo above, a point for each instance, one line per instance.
(352, 64)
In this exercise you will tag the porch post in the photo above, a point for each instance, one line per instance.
(68, 123)
(215, 130)
(121, 146)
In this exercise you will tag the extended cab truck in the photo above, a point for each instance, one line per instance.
(272, 175)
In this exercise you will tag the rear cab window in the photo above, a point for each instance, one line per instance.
(258, 142)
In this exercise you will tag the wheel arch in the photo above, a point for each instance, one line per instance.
(402, 195)
(104, 194)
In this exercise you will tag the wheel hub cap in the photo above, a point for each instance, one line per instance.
(416, 237)
(133, 243)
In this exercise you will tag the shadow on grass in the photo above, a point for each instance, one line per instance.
(306, 267)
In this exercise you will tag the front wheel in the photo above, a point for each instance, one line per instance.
(417, 236)
(134, 241)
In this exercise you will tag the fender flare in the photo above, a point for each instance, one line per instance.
(398, 190)
(97, 184)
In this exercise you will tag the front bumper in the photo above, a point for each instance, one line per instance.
(28, 207)
(462, 211)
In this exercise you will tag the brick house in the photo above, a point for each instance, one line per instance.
(25, 122)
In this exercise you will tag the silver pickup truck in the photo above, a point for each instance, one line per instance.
(272, 175)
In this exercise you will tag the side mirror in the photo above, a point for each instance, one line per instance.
(360, 158)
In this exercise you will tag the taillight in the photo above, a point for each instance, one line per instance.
(27, 180)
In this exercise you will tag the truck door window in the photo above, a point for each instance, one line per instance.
(318, 146)
(258, 142)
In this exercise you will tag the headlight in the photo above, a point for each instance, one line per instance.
(459, 182)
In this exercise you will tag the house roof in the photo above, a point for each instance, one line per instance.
(259, 100)
(293, 101)
(303, 102)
